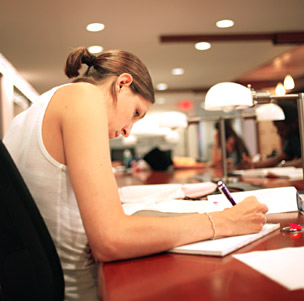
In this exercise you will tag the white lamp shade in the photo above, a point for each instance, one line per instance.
(228, 97)
(173, 120)
(269, 111)
(172, 137)
(131, 140)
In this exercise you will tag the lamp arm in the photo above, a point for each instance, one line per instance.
(300, 104)
(223, 147)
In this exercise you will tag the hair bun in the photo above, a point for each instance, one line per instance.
(88, 61)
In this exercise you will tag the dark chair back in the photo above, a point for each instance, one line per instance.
(30, 268)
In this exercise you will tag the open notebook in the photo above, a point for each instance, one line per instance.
(223, 246)
(161, 200)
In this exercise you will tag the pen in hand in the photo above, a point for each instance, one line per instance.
(224, 190)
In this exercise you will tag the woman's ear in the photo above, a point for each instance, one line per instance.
(123, 80)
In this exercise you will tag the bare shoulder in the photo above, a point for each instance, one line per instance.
(79, 91)
(80, 98)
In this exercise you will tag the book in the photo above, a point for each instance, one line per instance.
(289, 172)
(223, 246)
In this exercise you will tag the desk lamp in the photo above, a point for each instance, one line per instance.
(172, 120)
(232, 96)
(227, 97)
(269, 111)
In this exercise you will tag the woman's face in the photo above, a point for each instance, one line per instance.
(128, 109)
(230, 144)
(283, 129)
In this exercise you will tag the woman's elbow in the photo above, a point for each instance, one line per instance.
(108, 250)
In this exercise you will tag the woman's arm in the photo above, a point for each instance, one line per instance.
(113, 235)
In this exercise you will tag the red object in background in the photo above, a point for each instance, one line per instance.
(185, 105)
(295, 226)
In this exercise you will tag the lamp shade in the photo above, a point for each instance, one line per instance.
(131, 140)
(172, 137)
(173, 120)
(228, 97)
(269, 111)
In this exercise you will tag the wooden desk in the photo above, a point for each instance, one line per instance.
(192, 277)
(189, 176)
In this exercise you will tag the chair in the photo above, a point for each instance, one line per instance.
(30, 268)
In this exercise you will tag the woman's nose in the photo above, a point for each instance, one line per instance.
(127, 130)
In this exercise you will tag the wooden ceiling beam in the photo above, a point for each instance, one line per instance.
(255, 84)
(293, 37)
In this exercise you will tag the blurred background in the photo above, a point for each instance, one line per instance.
(260, 46)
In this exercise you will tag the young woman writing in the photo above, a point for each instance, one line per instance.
(61, 147)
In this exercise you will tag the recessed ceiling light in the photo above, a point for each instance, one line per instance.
(161, 86)
(177, 71)
(95, 49)
(160, 100)
(95, 27)
(224, 23)
(202, 46)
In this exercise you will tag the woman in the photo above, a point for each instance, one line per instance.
(61, 146)
(235, 147)
(288, 130)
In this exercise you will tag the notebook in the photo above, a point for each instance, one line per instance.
(289, 172)
(223, 246)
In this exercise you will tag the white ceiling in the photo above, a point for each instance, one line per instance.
(36, 36)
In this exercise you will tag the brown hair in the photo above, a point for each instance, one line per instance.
(110, 63)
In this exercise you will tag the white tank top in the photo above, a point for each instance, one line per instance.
(50, 186)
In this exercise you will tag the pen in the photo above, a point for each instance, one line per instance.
(224, 190)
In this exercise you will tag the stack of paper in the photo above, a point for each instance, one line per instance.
(280, 172)
(166, 198)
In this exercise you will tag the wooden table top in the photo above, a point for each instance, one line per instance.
(168, 276)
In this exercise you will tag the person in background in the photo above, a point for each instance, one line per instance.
(288, 130)
(235, 147)
(61, 147)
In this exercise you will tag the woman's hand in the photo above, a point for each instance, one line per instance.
(246, 162)
(246, 217)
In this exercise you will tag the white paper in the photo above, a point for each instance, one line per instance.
(224, 246)
(284, 266)
(281, 199)
(177, 206)
(164, 198)
(289, 172)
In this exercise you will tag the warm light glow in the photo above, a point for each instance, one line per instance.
(130, 140)
(289, 82)
(269, 111)
(161, 86)
(177, 71)
(172, 136)
(202, 46)
(95, 49)
(228, 97)
(280, 90)
(185, 105)
(224, 23)
(160, 100)
(95, 27)
(173, 120)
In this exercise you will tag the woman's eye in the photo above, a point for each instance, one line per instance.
(136, 114)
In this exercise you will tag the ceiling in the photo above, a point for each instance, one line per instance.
(36, 36)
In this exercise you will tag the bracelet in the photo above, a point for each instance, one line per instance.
(212, 223)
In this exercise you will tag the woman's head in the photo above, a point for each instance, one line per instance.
(230, 135)
(109, 64)
(290, 125)
(233, 142)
